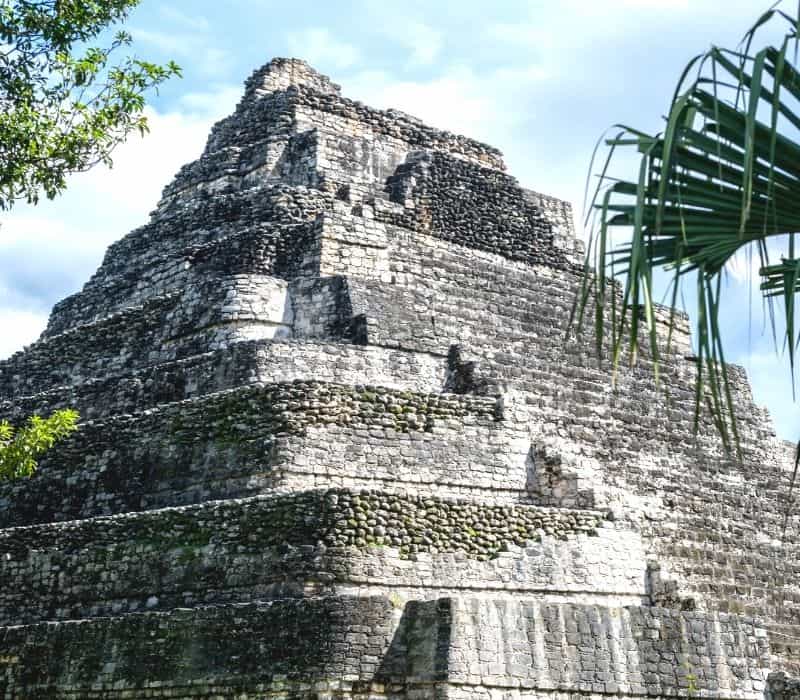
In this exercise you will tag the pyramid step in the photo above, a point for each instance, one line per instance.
(214, 313)
(252, 144)
(436, 293)
(354, 647)
(480, 207)
(256, 439)
(252, 232)
(604, 651)
(310, 542)
(91, 349)
(239, 364)
(244, 651)
(743, 580)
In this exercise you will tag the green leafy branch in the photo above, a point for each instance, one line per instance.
(63, 106)
(20, 447)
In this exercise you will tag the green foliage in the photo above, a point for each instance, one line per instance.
(723, 177)
(64, 106)
(20, 447)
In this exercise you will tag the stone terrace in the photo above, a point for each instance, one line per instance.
(335, 444)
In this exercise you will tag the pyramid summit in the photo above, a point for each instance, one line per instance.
(335, 445)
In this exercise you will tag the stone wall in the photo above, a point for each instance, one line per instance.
(331, 379)
(224, 551)
(296, 648)
(290, 648)
(478, 207)
(237, 443)
(588, 649)
(263, 361)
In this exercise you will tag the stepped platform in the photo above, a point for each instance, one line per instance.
(336, 443)
(442, 648)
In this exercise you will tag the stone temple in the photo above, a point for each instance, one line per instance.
(335, 445)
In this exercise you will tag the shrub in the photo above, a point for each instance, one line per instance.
(19, 447)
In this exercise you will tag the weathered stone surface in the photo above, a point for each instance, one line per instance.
(335, 444)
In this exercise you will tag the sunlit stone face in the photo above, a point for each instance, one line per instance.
(337, 441)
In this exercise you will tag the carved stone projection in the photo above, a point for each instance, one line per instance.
(335, 444)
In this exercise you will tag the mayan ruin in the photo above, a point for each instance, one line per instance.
(336, 443)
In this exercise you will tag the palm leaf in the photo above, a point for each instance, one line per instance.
(724, 176)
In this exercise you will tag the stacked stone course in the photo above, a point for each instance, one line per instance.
(335, 445)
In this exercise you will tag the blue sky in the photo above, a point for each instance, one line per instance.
(540, 80)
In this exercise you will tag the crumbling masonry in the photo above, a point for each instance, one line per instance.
(336, 445)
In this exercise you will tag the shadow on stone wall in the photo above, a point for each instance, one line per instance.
(419, 651)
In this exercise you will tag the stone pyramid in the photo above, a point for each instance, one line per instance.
(335, 445)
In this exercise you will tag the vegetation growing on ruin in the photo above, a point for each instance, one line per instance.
(21, 447)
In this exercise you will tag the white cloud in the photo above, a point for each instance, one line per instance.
(408, 26)
(565, 35)
(671, 5)
(770, 378)
(452, 101)
(211, 105)
(521, 34)
(49, 250)
(19, 328)
(41, 258)
(190, 45)
(192, 22)
(459, 99)
(318, 46)
(168, 42)
(213, 63)
(424, 41)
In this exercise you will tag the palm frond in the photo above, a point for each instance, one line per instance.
(723, 176)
